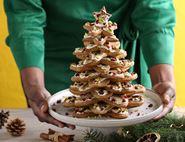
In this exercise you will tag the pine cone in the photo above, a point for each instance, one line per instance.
(16, 127)
(3, 118)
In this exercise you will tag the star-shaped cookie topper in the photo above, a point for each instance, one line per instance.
(102, 16)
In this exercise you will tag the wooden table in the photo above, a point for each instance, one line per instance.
(34, 127)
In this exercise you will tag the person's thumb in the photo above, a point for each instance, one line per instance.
(41, 102)
(44, 106)
(165, 90)
(166, 96)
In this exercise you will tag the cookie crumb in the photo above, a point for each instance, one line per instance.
(67, 113)
(58, 101)
(150, 105)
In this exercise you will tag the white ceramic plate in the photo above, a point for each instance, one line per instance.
(151, 108)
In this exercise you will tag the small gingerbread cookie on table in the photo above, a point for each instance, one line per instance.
(55, 136)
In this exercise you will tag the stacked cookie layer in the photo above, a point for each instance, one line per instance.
(102, 81)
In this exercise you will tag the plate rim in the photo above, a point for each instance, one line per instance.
(115, 122)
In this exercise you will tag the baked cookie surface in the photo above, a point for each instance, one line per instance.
(102, 82)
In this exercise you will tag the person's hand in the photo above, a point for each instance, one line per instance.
(37, 96)
(166, 90)
(162, 76)
(37, 99)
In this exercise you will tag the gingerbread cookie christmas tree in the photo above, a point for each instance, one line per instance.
(102, 82)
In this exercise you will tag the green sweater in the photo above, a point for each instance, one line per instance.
(44, 33)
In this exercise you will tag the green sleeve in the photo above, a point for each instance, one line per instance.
(155, 20)
(26, 19)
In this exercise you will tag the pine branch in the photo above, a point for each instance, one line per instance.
(94, 136)
(167, 127)
(171, 129)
